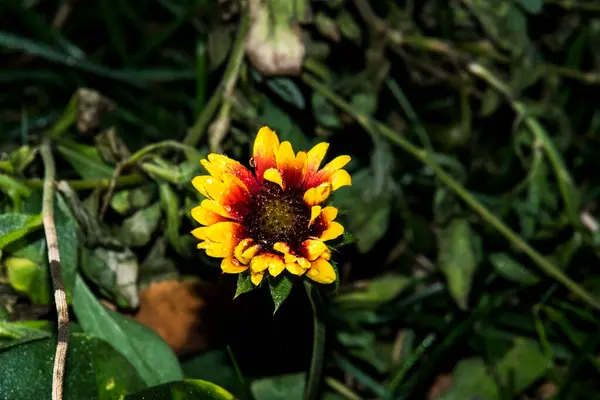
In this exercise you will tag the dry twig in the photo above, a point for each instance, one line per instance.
(60, 297)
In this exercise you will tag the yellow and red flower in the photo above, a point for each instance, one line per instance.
(273, 219)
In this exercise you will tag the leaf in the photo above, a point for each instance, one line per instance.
(68, 243)
(15, 226)
(170, 204)
(471, 381)
(368, 211)
(244, 284)
(289, 387)
(375, 292)
(532, 6)
(15, 333)
(457, 259)
(188, 389)
(94, 370)
(215, 366)
(523, 365)
(284, 125)
(510, 269)
(280, 287)
(137, 230)
(147, 352)
(325, 113)
(85, 160)
(288, 91)
(29, 278)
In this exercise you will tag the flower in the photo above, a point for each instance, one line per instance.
(274, 219)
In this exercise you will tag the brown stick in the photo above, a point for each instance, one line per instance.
(60, 297)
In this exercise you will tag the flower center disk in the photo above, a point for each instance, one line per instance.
(277, 216)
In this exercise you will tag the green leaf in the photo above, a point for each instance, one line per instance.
(471, 380)
(188, 389)
(457, 259)
(15, 226)
(147, 352)
(288, 91)
(85, 160)
(170, 204)
(14, 333)
(244, 284)
(68, 243)
(510, 269)
(368, 209)
(281, 287)
(375, 292)
(289, 387)
(284, 125)
(324, 112)
(137, 230)
(532, 6)
(29, 278)
(215, 366)
(523, 365)
(94, 370)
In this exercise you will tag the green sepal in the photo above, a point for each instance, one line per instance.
(280, 287)
(244, 284)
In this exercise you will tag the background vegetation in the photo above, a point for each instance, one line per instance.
(474, 131)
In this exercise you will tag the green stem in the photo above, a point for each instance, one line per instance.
(318, 348)
(342, 389)
(237, 54)
(376, 127)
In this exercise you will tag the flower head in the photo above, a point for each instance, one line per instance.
(274, 219)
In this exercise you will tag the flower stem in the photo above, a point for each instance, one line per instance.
(318, 348)
(376, 127)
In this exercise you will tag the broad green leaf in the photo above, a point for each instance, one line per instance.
(137, 230)
(184, 390)
(523, 365)
(15, 226)
(85, 160)
(94, 371)
(280, 287)
(368, 210)
(244, 284)
(375, 292)
(68, 243)
(510, 269)
(215, 366)
(288, 387)
(147, 352)
(288, 91)
(14, 333)
(532, 6)
(457, 259)
(29, 278)
(471, 380)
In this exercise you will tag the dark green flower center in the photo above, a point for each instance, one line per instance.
(277, 216)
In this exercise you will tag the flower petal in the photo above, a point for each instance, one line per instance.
(285, 249)
(313, 248)
(206, 217)
(334, 230)
(293, 168)
(200, 233)
(265, 150)
(315, 211)
(315, 156)
(210, 187)
(303, 262)
(340, 178)
(321, 271)
(223, 210)
(273, 175)
(224, 232)
(276, 267)
(294, 268)
(246, 250)
(317, 195)
(269, 261)
(232, 266)
(213, 249)
(219, 164)
(328, 214)
(256, 277)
